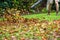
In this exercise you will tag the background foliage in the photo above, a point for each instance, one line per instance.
(23, 4)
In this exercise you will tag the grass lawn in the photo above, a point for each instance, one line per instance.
(44, 15)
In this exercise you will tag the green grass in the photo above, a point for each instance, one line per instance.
(43, 15)
(1, 19)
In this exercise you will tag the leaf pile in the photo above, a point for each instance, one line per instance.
(15, 27)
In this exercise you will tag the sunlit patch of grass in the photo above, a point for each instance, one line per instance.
(41, 16)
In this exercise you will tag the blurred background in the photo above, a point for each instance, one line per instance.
(24, 6)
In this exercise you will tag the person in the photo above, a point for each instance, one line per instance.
(49, 4)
